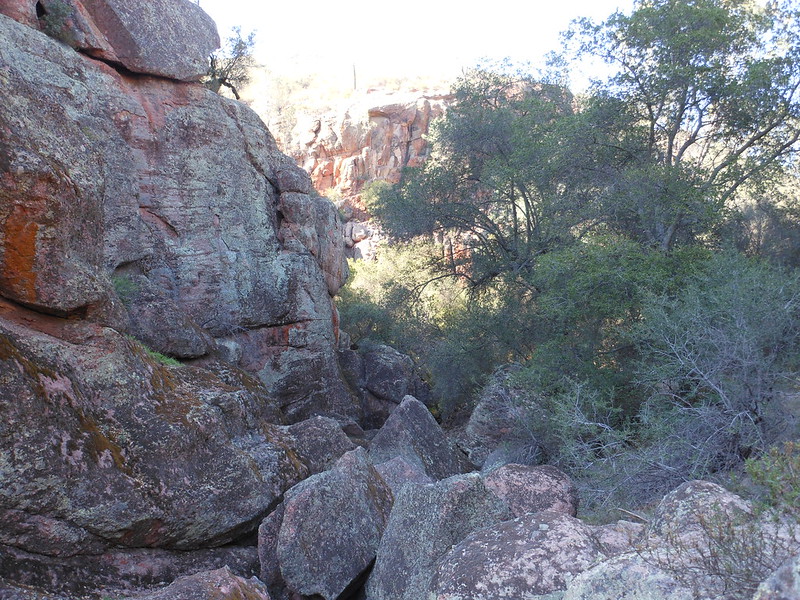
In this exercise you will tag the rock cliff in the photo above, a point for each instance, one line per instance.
(373, 138)
(140, 216)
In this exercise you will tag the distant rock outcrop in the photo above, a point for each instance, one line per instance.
(372, 139)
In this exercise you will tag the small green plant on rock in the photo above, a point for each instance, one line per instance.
(125, 287)
(157, 356)
(53, 18)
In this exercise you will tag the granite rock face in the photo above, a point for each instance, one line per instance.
(326, 533)
(138, 215)
(531, 556)
(220, 584)
(783, 584)
(533, 489)
(426, 521)
(628, 576)
(154, 207)
(103, 445)
(168, 38)
(412, 433)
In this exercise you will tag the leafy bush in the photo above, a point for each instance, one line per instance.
(715, 355)
(777, 472)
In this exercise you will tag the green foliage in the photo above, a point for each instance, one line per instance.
(230, 66)
(777, 471)
(723, 345)
(582, 238)
(712, 86)
(54, 20)
(157, 356)
(125, 287)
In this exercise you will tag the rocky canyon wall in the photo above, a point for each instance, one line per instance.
(142, 215)
(373, 138)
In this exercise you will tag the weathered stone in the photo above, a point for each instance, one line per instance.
(169, 38)
(783, 584)
(121, 570)
(220, 584)
(426, 521)
(23, 11)
(397, 473)
(106, 176)
(493, 425)
(528, 557)
(532, 489)
(618, 537)
(10, 591)
(412, 433)
(157, 320)
(688, 511)
(331, 527)
(165, 38)
(270, 571)
(319, 443)
(628, 576)
(388, 373)
(708, 538)
(114, 447)
(345, 149)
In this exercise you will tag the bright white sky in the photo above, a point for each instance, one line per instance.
(406, 38)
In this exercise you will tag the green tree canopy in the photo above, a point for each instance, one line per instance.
(712, 85)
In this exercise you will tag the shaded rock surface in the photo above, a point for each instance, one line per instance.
(783, 584)
(532, 489)
(220, 584)
(494, 424)
(122, 571)
(168, 38)
(528, 557)
(397, 472)
(330, 528)
(319, 443)
(117, 448)
(412, 433)
(426, 521)
(382, 377)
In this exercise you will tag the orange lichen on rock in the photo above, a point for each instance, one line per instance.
(17, 275)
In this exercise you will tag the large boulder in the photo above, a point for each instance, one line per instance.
(629, 576)
(397, 472)
(383, 377)
(529, 557)
(690, 510)
(220, 584)
(330, 529)
(104, 445)
(412, 433)
(494, 426)
(783, 584)
(319, 442)
(711, 540)
(167, 38)
(426, 521)
(533, 489)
